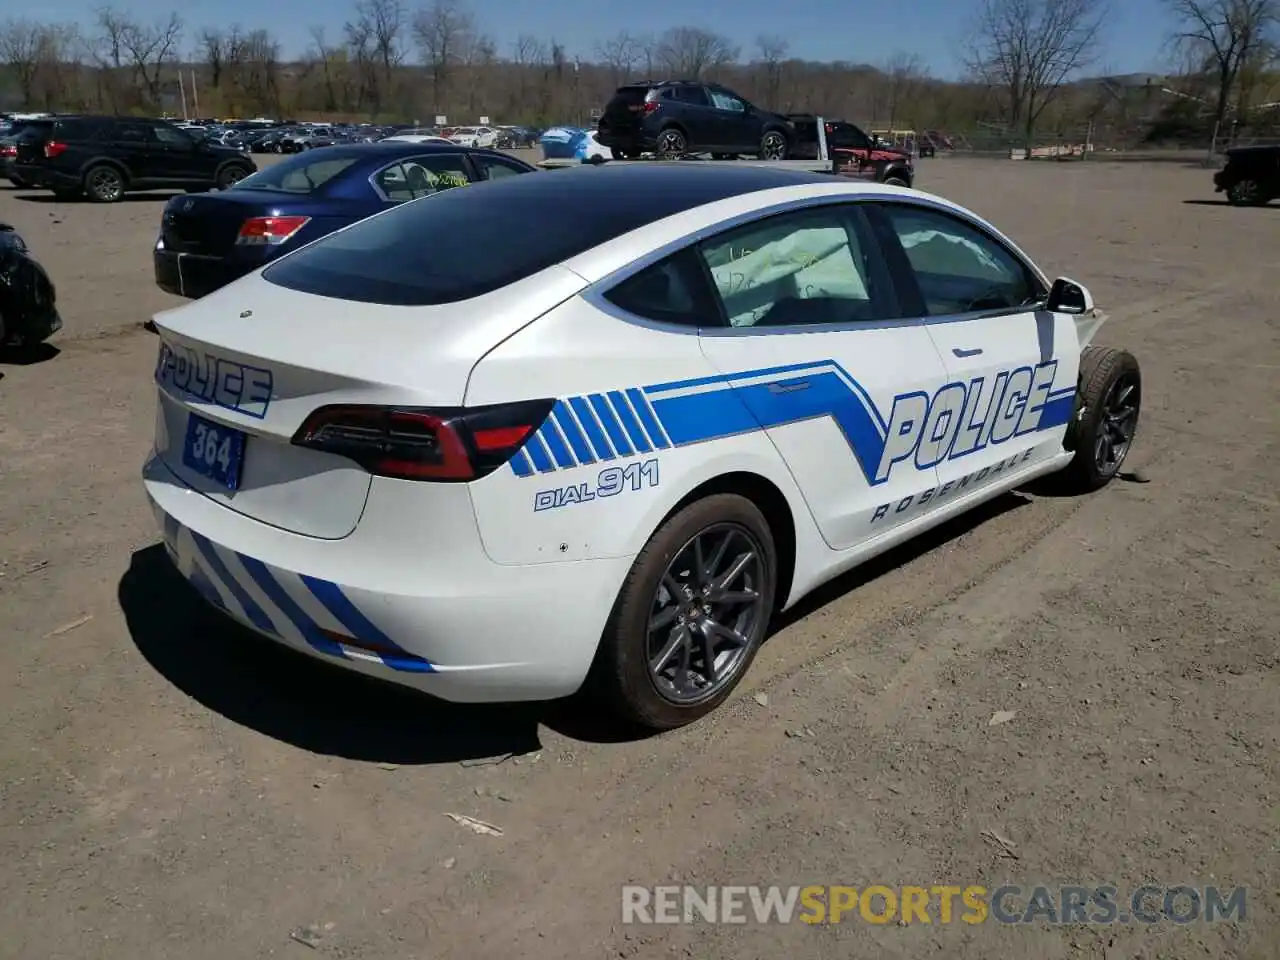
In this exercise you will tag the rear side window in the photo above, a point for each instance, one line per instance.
(79, 128)
(305, 173)
(417, 177)
(671, 291)
(695, 96)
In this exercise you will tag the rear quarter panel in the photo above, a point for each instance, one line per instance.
(576, 507)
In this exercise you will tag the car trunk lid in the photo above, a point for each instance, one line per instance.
(209, 223)
(626, 109)
(248, 364)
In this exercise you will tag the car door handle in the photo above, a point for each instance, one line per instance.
(789, 386)
(966, 353)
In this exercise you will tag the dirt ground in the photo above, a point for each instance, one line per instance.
(173, 787)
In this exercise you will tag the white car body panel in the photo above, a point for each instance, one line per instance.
(498, 588)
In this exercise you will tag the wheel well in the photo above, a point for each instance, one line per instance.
(105, 162)
(777, 513)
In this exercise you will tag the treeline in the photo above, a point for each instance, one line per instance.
(395, 63)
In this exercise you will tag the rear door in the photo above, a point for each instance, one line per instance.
(133, 144)
(815, 346)
(696, 114)
(1012, 366)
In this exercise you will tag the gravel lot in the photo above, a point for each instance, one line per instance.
(171, 787)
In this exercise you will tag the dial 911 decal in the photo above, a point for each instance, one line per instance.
(610, 482)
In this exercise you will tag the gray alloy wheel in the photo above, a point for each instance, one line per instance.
(230, 176)
(1246, 193)
(1105, 420)
(707, 615)
(773, 146)
(104, 184)
(672, 144)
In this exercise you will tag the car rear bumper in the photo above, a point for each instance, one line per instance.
(630, 140)
(452, 623)
(193, 275)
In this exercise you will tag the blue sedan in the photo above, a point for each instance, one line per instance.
(208, 240)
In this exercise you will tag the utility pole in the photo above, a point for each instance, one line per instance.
(577, 103)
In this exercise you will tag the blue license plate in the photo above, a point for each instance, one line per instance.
(213, 451)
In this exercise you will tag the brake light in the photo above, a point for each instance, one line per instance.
(53, 148)
(269, 231)
(653, 106)
(8, 150)
(412, 443)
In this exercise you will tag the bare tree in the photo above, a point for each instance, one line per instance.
(149, 49)
(442, 32)
(619, 53)
(689, 52)
(1027, 49)
(773, 53)
(21, 45)
(213, 48)
(1229, 37)
(383, 22)
(904, 74)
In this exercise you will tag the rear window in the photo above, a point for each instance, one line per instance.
(304, 173)
(625, 96)
(460, 244)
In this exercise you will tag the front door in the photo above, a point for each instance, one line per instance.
(815, 347)
(179, 158)
(1012, 365)
(737, 129)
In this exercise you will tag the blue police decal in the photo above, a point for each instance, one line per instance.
(920, 429)
(231, 385)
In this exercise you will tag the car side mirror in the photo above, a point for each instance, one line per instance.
(1067, 296)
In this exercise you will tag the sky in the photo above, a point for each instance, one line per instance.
(869, 31)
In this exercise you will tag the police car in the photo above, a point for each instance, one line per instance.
(595, 427)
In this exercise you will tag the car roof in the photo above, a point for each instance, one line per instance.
(392, 148)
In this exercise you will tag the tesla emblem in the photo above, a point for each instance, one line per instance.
(188, 205)
(245, 313)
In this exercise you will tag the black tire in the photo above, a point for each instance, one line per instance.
(1105, 375)
(620, 678)
(230, 175)
(104, 183)
(672, 144)
(1246, 193)
(773, 145)
(895, 181)
(18, 182)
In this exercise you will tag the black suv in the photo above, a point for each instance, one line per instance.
(676, 117)
(1251, 176)
(104, 158)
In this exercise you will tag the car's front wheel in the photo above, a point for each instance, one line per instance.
(691, 614)
(1105, 420)
(1246, 193)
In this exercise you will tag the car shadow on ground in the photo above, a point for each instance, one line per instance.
(28, 354)
(296, 699)
(127, 198)
(1227, 203)
(901, 555)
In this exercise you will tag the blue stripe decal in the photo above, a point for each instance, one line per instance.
(538, 454)
(257, 616)
(551, 437)
(1057, 411)
(704, 416)
(598, 442)
(629, 421)
(520, 464)
(641, 404)
(610, 421)
(361, 627)
(204, 586)
(563, 417)
(309, 629)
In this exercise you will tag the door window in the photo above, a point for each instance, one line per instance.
(491, 168)
(795, 269)
(958, 268)
(727, 101)
(172, 138)
(133, 133)
(694, 96)
(420, 177)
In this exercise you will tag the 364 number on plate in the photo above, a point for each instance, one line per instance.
(213, 451)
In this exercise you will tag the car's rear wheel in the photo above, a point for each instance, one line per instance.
(104, 184)
(228, 177)
(1105, 420)
(672, 144)
(691, 615)
(1246, 193)
(773, 146)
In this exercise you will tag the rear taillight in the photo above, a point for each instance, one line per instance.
(653, 106)
(411, 443)
(269, 231)
(8, 151)
(53, 148)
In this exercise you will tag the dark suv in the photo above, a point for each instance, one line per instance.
(1251, 176)
(676, 117)
(104, 158)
